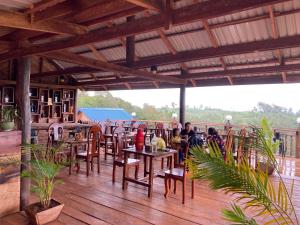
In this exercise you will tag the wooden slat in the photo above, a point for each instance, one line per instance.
(81, 60)
(22, 21)
(148, 4)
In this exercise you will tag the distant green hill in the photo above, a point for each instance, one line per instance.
(277, 115)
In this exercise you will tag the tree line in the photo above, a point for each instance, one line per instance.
(277, 115)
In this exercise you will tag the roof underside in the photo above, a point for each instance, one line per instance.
(254, 42)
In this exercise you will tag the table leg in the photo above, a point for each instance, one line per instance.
(171, 162)
(151, 175)
(71, 159)
(145, 166)
(124, 182)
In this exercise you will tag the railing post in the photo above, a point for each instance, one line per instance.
(298, 142)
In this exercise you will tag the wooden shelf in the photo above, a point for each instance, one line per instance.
(46, 105)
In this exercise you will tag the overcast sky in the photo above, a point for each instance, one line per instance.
(237, 98)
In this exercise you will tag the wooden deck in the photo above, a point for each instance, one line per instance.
(95, 200)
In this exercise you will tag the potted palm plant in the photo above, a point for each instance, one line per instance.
(43, 171)
(8, 114)
(258, 198)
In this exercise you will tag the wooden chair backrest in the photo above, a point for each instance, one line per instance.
(55, 133)
(228, 143)
(94, 138)
(241, 144)
(119, 142)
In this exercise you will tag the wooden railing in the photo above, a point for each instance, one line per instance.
(288, 135)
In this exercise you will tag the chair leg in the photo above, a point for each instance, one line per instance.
(193, 188)
(87, 165)
(98, 163)
(92, 163)
(105, 150)
(183, 191)
(175, 182)
(162, 163)
(114, 173)
(166, 187)
(136, 173)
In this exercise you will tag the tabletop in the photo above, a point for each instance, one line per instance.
(158, 153)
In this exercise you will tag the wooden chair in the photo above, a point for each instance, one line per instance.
(107, 140)
(120, 143)
(55, 139)
(178, 174)
(55, 134)
(228, 143)
(92, 151)
(241, 145)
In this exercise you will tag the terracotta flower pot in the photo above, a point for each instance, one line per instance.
(38, 216)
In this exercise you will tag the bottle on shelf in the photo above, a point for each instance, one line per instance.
(6, 98)
(42, 98)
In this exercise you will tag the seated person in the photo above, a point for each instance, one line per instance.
(214, 137)
(189, 135)
(176, 139)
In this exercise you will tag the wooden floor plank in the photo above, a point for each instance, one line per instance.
(96, 200)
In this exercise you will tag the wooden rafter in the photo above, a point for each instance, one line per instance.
(81, 60)
(148, 4)
(275, 34)
(215, 44)
(22, 21)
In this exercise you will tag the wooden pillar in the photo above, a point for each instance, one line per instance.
(130, 46)
(298, 143)
(182, 101)
(182, 105)
(23, 102)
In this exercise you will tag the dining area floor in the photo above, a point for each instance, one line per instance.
(95, 200)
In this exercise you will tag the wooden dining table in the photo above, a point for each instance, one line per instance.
(149, 175)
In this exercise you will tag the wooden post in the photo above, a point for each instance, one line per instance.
(298, 142)
(130, 46)
(182, 102)
(23, 101)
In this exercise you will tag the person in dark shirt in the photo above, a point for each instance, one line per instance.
(214, 138)
(187, 131)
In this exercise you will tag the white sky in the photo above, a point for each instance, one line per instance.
(237, 98)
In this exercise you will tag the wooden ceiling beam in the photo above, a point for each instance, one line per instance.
(245, 71)
(204, 10)
(228, 74)
(22, 21)
(67, 71)
(148, 4)
(42, 5)
(235, 49)
(85, 61)
(100, 9)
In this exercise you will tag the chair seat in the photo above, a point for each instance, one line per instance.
(108, 142)
(84, 154)
(177, 172)
(130, 161)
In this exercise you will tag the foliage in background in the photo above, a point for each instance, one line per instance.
(278, 116)
(42, 171)
(257, 196)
